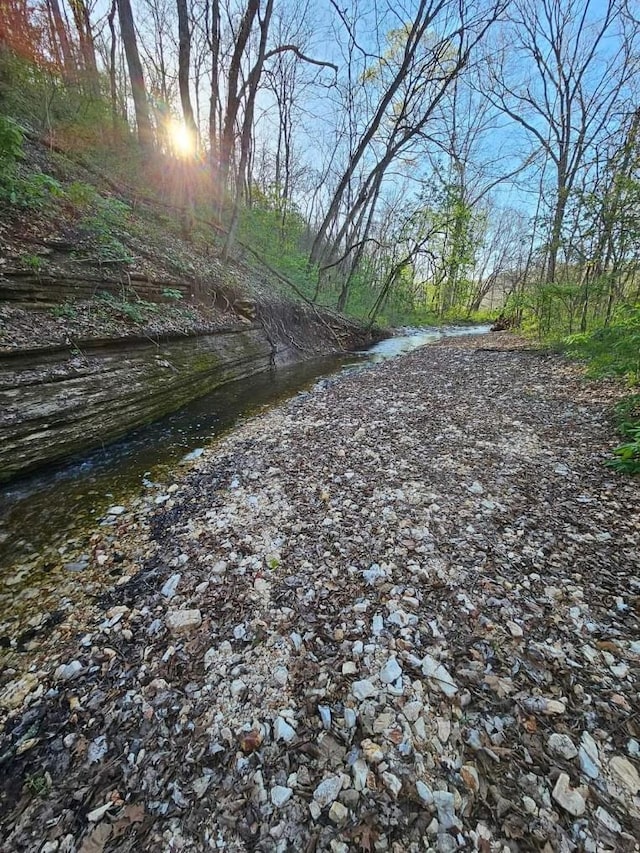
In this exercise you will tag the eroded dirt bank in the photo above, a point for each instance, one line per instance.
(399, 613)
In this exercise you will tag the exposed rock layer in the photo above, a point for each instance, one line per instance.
(58, 401)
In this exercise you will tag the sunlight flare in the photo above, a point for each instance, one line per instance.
(182, 139)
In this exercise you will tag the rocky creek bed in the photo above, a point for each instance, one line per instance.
(397, 613)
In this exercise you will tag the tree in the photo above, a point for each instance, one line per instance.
(572, 82)
(184, 64)
(138, 89)
(410, 80)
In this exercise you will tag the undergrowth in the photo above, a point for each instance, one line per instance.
(614, 350)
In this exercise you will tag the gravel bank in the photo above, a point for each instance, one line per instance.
(397, 613)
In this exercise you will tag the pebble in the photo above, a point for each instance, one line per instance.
(562, 745)
(625, 774)
(391, 671)
(372, 751)
(281, 675)
(80, 566)
(327, 791)
(588, 756)
(15, 692)
(608, 820)
(392, 784)
(68, 671)
(470, 777)
(280, 795)
(412, 710)
(325, 715)
(363, 689)
(182, 622)
(445, 805)
(424, 792)
(350, 718)
(238, 688)
(439, 676)
(170, 585)
(360, 770)
(116, 510)
(338, 813)
(572, 800)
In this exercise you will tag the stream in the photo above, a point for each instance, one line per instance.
(45, 518)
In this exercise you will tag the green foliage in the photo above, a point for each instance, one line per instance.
(281, 245)
(104, 218)
(626, 457)
(172, 293)
(66, 311)
(10, 143)
(138, 310)
(36, 191)
(612, 350)
(33, 262)
(38, 784)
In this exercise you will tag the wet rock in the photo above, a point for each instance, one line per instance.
(78, 566)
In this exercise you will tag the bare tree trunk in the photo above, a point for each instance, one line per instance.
(214, 103)
(85, 36)
(68, 66)
(233, 93)
(184, 64)
(138, 90)
(113, 91)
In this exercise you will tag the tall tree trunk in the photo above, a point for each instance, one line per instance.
(138, 90)
(233, 95)
(62, 38)
(85, 36)
(247, 125)
(113, 91)
(184, 63)
(214, 103)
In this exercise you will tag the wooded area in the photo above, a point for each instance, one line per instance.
(435, 157)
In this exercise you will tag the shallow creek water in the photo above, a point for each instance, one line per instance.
(44, 519)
